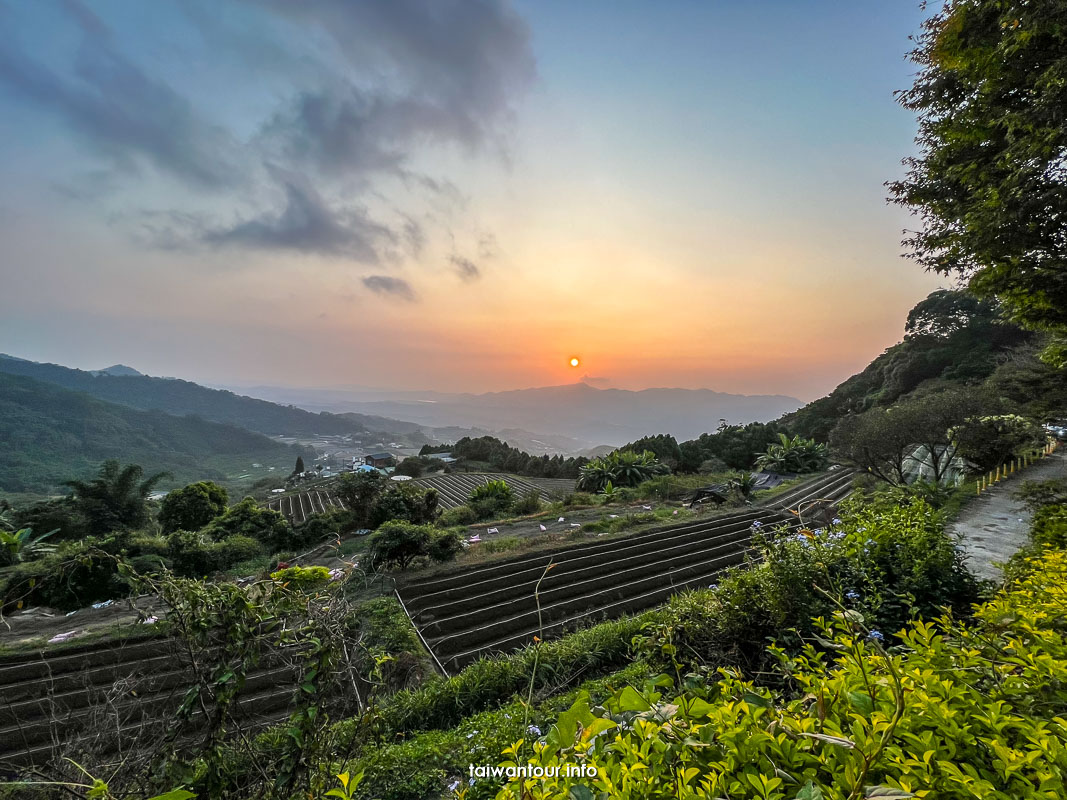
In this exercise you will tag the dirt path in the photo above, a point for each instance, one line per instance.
(994, 526)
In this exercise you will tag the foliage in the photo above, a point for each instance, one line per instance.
(529, 503)
(192, 507)
(398, 544)
(194, 554)
(117, 499)
(621, 468)
(459, 515)
(1049, 526)
(794, 455)
(663, 446)
(491, 499)
(1036, 494)
(412, 467)
(50, 433)
(989, 184)
(730, 446)
(248, 519)
(953, 342)
(993, 440)
(501, 456)
(958, 711)
(373, 499)
(302, 577)
(882, 440)
(21, 545)
(891, 562)
(75, 575)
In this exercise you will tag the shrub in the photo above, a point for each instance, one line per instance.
(529, 503)
(194, 555)
(794, 455)
(399, 544)
(248, 519)
(302, 577)
(77, 574)
(1049, 526)
(491, 499)
(444, 545)
(994, 440)
(192, 507)
(460, 515)
(621, 469)
(958, 712)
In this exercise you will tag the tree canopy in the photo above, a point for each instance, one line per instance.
(990, 183)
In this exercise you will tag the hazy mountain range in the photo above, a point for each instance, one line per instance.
(578, 411)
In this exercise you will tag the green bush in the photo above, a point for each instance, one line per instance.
(460, 515)
(194, 555)
(958, 712)
(444, 545)
(302, 577)
(192, 507)
(1049, 526)
(491, 499)
(529, 503)
(248, 519)
(77, 574)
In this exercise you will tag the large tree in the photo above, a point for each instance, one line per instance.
(116, 499)
(990, 183)
(192, 507)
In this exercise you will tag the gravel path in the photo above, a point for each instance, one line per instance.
(994, 526)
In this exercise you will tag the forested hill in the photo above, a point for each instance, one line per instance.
(951, 339)
(51, 434)
(184, 397)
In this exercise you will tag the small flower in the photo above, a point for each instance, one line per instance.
(471, 782)
(818, 531)
(471, 735)
(713, 586)
(876, 636)
(453, 786)
(835, 521)
(533, 730)
(757, 525)
(851, 595)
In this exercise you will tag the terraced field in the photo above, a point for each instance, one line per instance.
(298, 507)
(476, 612)
(57, 700)
(454, 489)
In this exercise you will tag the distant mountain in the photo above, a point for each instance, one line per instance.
(578, 411)
(51, 434)
(117, 369)
(128, 387)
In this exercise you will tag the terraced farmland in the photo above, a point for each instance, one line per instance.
(51, 701)
(491, 609)
(454, 489)
(298, 507)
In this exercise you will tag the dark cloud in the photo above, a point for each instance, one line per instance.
(456, 68)
(389, 286)
(309, 224)
(465, 268)
(121, 110)
(403, 74)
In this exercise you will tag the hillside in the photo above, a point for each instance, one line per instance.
(951, 339)
(174, 396)
(51, 434)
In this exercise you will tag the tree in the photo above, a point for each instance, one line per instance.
(620, 468)
(299, 465)
(793, 455)
(411, 467)
(993, 440)
(879, 441)
(397, 544)
(116, 499)
(360, 492)
(249, 520)
(990, 185)
(192, 507)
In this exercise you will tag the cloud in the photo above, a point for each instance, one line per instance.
(307, 223)
(336, 99)
(455, 68)
(390, 287)
(465, 268)
(120, 110)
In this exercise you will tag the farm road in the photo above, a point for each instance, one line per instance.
(994, 526)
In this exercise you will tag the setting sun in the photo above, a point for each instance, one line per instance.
(574, 362)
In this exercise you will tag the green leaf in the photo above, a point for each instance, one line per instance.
(837, 741)
(754, 699)
(580, 792)
(629, 699)
(862, 702)
(698, 708)
(886, 792)
(174, 794)
(809, 791)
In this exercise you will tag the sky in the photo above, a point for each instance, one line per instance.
(457, 195)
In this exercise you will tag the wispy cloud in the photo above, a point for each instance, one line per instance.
(465, 268)
(390, 287)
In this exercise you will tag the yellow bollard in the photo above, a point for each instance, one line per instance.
(977, 487)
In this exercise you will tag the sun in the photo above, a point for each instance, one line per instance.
(575, 362)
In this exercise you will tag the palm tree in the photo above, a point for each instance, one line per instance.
(793, 455)
(116, 499)
(624, 468)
